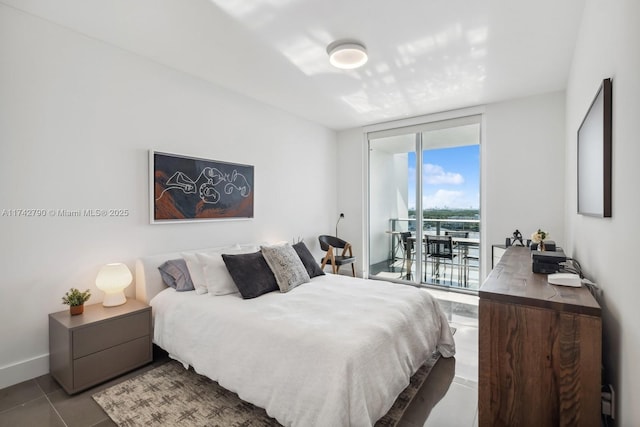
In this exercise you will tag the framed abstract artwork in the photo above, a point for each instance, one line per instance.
(184, 188)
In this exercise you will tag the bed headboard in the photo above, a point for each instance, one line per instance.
(148, 280)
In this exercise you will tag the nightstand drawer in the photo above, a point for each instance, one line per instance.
(105, 335)
(101, 366)
(99, 344)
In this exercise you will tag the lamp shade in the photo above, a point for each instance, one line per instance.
(112, 280)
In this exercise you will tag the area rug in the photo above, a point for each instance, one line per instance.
(170, 395)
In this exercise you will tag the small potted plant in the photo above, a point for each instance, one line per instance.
(75, 300)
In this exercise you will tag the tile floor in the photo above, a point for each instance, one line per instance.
(454, 276)
(42, 402)
(448, 398)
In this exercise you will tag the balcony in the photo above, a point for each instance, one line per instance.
(458, 268)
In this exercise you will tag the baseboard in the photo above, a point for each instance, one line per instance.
(23, 371)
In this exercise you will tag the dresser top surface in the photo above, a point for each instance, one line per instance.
(512, 281)
(97, 312)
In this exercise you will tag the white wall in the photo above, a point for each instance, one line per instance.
(608, 45)
(388, 196)
(352, 193)
(77, 117)
(401, 188)
(522, 171)
(382, 187)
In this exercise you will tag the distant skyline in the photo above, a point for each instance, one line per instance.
(450, 178)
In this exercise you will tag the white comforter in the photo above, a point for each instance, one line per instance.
(333, 352)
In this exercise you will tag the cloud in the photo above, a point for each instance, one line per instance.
(449, 199)
(436, 175)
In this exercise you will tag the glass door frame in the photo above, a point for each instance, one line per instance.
(418, 126)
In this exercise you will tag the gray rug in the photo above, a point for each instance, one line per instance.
(169, 395)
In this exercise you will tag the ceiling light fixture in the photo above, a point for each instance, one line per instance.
(347, 54)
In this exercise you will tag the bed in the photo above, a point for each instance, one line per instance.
(336, 351)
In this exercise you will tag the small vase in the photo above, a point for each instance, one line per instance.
(76, 309)
(541, 246)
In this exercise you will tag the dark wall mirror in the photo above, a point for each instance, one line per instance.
(594, 156)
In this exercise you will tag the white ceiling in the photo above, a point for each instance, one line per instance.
(425, 56)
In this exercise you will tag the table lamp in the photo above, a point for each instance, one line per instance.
(112, 280)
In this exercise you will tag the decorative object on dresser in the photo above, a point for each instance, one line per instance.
(516, 240)
(75, 300)
(186, 188)
(99, 345)
(112, 279)
(540, 349)
(517, 237)
(538, 238)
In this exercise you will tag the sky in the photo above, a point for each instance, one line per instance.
(451, 178)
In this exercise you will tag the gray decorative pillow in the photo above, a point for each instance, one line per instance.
(176, 275)
(312, 266)
(286, 266)
(251, 274)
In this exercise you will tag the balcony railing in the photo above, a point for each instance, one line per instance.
(466, 273)
(436, 226)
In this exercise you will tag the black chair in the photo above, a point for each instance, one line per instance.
(408, 253)
(463, 234)
(468, 257)
(459, 234)
(439, 249)
(462, 250)
(331, 245)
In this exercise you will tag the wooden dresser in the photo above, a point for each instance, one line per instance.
(539, 349)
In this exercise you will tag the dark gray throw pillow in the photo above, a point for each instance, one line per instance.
(251, 274)
(312, 266)
(176, 275)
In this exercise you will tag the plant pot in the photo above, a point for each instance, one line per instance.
(76, 309)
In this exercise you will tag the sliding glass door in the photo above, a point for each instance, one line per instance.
(391, 185)
(424, 198)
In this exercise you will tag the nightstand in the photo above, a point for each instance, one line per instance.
(99, 344)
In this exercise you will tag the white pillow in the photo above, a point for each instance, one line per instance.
(216, 276)
(196, 272)
(240, 249)
(196, 267)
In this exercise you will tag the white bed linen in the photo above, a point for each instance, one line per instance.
(336, 351)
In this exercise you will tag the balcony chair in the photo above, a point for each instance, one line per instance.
(332, 245)
(439, 250)
(468, 257)
(458, 234)
(408, 253)
(461, 250)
